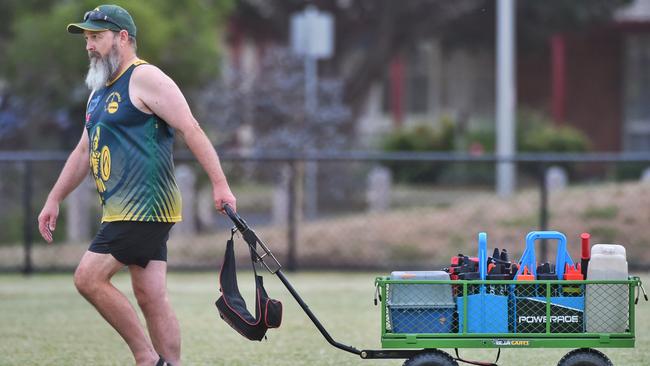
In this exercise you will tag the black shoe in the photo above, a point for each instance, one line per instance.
(162, 362)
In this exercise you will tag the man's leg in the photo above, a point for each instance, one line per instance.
(150, 288)
(92, 279)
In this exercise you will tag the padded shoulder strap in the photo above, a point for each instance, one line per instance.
(230, 289)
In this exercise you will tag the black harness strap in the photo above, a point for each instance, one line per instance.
(232, 306)
(251, 239)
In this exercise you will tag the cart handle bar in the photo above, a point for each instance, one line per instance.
(240, 224)
(261, 255)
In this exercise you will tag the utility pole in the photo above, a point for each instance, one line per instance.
(312, 37)
(506, 96)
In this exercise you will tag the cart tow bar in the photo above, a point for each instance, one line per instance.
(275, 268)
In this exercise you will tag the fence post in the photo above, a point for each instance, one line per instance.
(543, 209)
(27, 216)
(292, 219)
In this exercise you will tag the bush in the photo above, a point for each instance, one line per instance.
(549, 138)
(630, 170)
(420, 138)
(535, 133)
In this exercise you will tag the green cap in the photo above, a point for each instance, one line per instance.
(105, 17)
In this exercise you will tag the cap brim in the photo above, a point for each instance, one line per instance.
(88, 25)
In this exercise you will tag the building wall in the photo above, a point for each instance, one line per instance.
(593, 86)
(460, 84)
(457, 84)
(534, 81)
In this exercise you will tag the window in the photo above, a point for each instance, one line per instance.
(415, 84)
(417, 80)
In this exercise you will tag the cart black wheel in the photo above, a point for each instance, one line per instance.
(585, 357)
(431, 358)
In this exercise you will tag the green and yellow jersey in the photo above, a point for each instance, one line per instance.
(131, 157)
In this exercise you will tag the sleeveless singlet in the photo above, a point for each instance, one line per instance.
(131, 157)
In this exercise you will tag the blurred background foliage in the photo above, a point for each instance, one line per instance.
(43, 66)
(42, 100)
(42, 94)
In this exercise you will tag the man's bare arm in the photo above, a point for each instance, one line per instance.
(73, 173)
(162, 97)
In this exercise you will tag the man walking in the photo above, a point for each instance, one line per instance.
(132, 114)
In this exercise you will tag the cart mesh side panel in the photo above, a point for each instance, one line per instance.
(607, 308)
(535, 307)
(420, 308)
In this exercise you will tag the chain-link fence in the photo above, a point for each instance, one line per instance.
(351, 210)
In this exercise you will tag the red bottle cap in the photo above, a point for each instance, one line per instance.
(525, 275)
(573, 273)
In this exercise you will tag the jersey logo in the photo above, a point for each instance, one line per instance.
(100, 163)
(105, 161)
(113, 102)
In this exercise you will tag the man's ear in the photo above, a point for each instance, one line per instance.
(124, 36)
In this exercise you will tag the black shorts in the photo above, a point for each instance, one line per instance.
(133, 242)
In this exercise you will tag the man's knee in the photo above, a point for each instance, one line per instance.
(148, 296)
(85, 281)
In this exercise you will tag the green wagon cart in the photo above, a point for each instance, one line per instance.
(421, 317)
(505, 314)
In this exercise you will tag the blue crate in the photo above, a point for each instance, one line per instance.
(410, 319)
(486, 313)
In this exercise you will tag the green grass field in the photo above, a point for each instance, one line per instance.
(43, 321)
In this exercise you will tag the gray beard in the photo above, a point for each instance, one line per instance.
(101, 69)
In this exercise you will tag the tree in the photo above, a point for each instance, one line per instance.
(370, 32)
(273, 104)
(44, 66)
(270, 106)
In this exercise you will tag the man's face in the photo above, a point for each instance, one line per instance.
(99, 44)
(104, 54)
